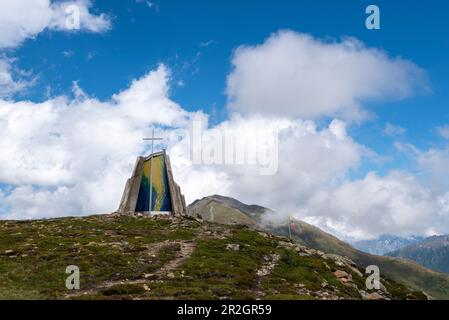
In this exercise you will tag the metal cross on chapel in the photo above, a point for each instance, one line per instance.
(151, 168)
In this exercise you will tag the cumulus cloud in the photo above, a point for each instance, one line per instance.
(73, 156)
(293, 74)
(313, 181)
(414, 202)
(433, 167)
(67, 156)
(308, 157)
(393, 204)
(23, 19)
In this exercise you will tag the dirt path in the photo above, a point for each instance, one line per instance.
(270, 262)
(185, 251)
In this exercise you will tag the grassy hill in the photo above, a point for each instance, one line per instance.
(141, 257)
(401, 270)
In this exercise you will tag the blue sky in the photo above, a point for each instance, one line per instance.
(196, 42)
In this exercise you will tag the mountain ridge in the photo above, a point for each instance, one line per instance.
(402, 270)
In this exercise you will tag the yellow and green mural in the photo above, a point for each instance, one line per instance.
(160, 192)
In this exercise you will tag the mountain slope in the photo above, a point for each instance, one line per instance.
(432, 252)
(404, 271)
(385, 243)
(160, 257)
(226, 210)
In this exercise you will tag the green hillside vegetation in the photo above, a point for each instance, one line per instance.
(141, 257)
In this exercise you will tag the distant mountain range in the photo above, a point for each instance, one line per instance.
(226, 210)
(385, 243)
(432, 252)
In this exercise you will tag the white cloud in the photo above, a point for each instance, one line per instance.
(433, 167)
(23, 19)
(313, 181)
(88, 21)
(400, 202)
(149, 4)
(9, 84)
(393, 204)
(294, 74)
(68, 53)
(393, 130)
(28, 202)
(73, 156)
(443, 131)
(309, 159)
